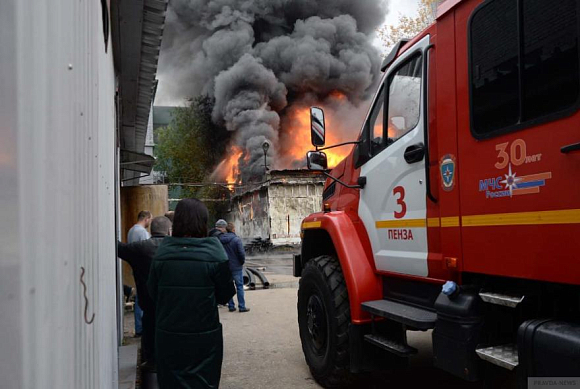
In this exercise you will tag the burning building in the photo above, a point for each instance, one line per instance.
(275, 208)
(264, 63)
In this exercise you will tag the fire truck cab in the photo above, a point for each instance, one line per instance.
(457, 209)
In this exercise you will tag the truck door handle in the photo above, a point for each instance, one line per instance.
(569, 148)
(414, 153)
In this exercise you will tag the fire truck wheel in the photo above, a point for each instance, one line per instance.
(323, 318)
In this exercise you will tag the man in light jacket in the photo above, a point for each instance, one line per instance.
(137, 233)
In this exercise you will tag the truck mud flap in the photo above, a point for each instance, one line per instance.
(297, 265)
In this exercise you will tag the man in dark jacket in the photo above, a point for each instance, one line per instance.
(219, 228)
(139, 255)
(237, 256)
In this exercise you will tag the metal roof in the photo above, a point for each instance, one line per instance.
(282, 177)
(137, 31)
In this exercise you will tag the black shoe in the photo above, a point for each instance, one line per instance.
(232, 309)
(244, 309)
(138, 334)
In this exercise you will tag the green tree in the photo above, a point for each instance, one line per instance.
(188, 150)
(192, 144)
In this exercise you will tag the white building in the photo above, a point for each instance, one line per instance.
(76, 83)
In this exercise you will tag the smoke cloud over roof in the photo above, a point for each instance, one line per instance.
(257, 58)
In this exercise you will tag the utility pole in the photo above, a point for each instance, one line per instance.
(265, 147)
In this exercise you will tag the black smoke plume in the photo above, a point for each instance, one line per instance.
(259, 57)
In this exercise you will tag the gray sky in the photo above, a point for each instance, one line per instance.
(403, 7)
(396, 9)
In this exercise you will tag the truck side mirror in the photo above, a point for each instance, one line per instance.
(316, 160)
(317, 131)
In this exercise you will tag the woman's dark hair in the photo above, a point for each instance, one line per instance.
(190, 219)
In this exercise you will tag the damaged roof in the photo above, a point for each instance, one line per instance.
(283, 177)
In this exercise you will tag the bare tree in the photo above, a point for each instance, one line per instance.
(408, 26)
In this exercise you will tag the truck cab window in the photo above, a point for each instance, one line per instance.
(494, 54)
(404, 105)
(377, 124)
(524, 65)
(551, 75)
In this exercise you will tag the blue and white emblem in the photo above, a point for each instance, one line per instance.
(447, 169)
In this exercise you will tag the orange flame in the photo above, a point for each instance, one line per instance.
(338, 95)
(231, 167)
(298, 142)
(294, 142)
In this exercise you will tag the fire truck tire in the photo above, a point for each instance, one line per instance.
(323, 320)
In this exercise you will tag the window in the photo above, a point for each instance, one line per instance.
(377, 123)
(550, 57)
(404, 106)
(524, 63)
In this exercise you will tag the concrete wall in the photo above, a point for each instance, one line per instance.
(276, 211)
(57, 196)
(135, 199)
(288, 206)
(250, 215)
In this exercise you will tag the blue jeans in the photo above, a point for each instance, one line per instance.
(238, 276)
(138, 317)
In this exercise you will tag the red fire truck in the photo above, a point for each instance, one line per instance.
(457, 210)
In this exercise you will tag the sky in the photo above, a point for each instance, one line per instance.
(398, 8)
(401, 7)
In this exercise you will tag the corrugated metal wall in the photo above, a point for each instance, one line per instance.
(57, 191)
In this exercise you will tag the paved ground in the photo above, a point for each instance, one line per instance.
(130, 357)
(275, 263)
(262, 347)
(263, 350)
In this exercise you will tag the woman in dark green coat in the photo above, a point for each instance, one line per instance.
(189, 277)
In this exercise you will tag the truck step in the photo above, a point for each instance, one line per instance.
(507, 300)
(418, 318)
(397, 348)
(505, 356)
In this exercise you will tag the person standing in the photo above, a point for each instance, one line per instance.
(140, 255)
(237, 256)
(139, 230)
(137, 233)
(189, 277)
(219, 228)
